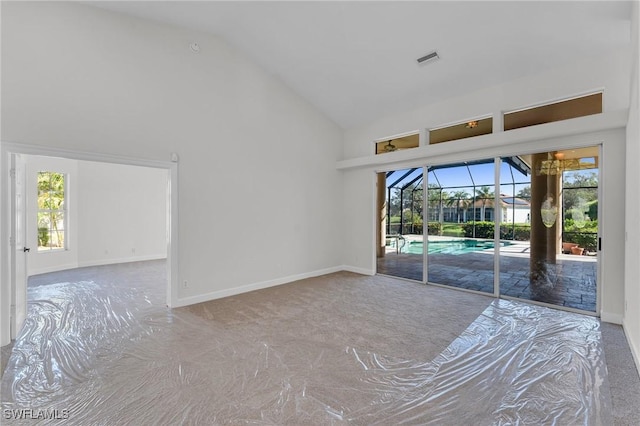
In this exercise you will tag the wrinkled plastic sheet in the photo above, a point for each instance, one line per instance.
(100, 354)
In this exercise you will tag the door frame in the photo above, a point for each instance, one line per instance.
(496, 154)
(9, 325)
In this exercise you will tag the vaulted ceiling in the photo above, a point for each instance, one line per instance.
(356, 61)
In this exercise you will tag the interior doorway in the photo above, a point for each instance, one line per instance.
(14, 279)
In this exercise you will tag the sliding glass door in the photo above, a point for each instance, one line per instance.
(400, 224)
(534, 238)
(552, 253)
(461, 214)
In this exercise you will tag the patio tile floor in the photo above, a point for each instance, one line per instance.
(571, 282)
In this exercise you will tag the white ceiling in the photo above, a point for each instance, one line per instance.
(356, 61)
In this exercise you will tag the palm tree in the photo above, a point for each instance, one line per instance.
(484, 193)
(459, 199)
(434, 199)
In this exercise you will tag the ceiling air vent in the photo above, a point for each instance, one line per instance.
(428, 57)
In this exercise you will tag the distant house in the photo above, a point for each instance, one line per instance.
(514, 210)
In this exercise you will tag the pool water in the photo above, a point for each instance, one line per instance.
(449, 246)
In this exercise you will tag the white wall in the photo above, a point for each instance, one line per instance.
(116, 214)
(259, 198)
(632, 237)
(610, 73)
(517, 215)
(122, 213)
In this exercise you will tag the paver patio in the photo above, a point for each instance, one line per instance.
(570, 282)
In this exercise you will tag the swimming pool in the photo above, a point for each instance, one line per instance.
(449, 246)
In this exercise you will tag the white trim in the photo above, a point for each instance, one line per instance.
(186, 301)
(173, 275)
(358, 270)
(373, 187)
(100, 262)
(497, 126)
(397, 136)
(611, 318)
(458, 122)
(491, 145)
(425, 229)
(635, 349)
(601, 221)
(497, 222)
(5, 247)
(56, 268)
(556, 101)
(121, 260)
(46, 151)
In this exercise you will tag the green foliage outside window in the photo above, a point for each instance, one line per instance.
(51, 210)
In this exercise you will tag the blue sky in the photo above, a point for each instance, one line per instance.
(482, 175)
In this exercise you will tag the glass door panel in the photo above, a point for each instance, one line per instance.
(461, 214)
(400, 204)
(550, 227)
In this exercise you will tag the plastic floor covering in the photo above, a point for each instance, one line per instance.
(104, 354)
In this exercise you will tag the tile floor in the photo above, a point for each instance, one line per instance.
(571, 281)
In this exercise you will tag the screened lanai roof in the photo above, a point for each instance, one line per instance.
(460, 175)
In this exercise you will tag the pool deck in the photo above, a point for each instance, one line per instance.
(570, 282)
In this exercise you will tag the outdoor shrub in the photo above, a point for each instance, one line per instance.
(434, 228)
(590, 226)
(587, 240)
(409, 228)
(519, 232)
(483, 230)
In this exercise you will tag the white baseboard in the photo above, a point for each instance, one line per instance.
(611, 318)
(358, 270)
(54, 268)
(635, 348)
(185, 301)
(100, 262)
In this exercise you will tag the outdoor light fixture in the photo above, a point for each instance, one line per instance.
(558, 164)
(389, 147)
(472, 124)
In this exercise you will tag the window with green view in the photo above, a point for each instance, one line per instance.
(51, 211)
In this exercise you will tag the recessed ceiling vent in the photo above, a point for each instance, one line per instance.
(429, 57)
